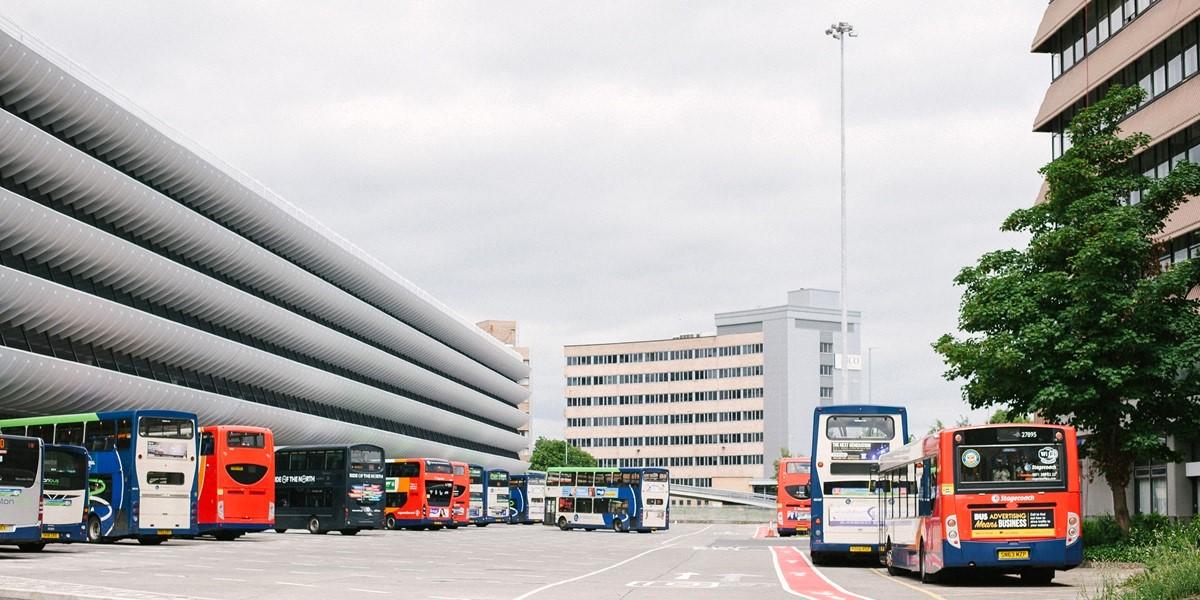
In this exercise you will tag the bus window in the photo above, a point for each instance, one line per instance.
(366, 460)
(46, 432)
(335, 460)
(245, 439)
(296, 461)
(164, 427)
(847, 427)
(397, 498)
(124, 435)
(63, 471)
(206, 444)
(433, 466)
(246, 474)
(600, 505)
(584, 480)
(164, 478)
(438, 492)
(19, 463)
(566, 505)
(69, 434)
(97, 435)
(799, 468)
(403, 469)
(14, 430)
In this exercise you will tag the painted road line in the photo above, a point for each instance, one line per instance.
(368, 591)
(800, 578)
(680, 537)
(900, 580)
(596, 572)
(43, 588)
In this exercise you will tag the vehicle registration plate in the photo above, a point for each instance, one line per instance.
(164, 532)
(1012, 554)
(861, 549)
(48, 535)
(5, 528)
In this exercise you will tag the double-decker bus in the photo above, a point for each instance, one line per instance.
(793, 502)
(624, 499)
(527, 497)
(477, 512)
(495, 487)
(460, 501)
(21, 491)
(847, 443)
(329, 488)
(419, 491)
(142, 482)
(64, 495)
(237, 481)
(997, 497)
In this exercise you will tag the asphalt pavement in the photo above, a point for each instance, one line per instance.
(500, 562)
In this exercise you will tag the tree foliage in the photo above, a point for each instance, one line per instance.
(783, 453)
(549, 453)
(1006, 416)
(1083, 326)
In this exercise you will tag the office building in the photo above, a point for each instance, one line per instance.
(1093, 45)
(137, 271)
(716, 408)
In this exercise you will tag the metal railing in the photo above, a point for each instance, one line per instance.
(729, 497)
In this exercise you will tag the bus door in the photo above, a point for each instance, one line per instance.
(655, 495)
(166, 472)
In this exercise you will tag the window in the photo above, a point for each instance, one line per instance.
(826, 392)
(167, 428)
(246, 439)
(297, 461)
(877, 427)
(46, 432)
(207, 447)
(1150, 494)
(19, 463)
(246, 474)
(333, 460)
(404, 469)
(366, 460)
(164, 478)
(827, 369)
(63, 470)
(826, 347)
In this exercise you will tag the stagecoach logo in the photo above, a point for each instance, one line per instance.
(1048, 455)
(970, 459)
(999, 498)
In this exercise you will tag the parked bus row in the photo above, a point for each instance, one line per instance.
(152, 475)
(1002, 498)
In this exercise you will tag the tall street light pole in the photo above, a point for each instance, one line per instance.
(840, 31)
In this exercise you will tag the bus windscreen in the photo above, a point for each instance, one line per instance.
(64, 471)
(1011, 457)
(365, 460)
(851, 427)
(438, 492)
(18, 463)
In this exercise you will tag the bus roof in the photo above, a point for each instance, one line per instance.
(860, 409)
(50, 420)
(241, 428)
(583, 469)
(907, 453)
(328, 447)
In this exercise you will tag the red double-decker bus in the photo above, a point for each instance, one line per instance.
(237, 481)
(418, 493)
(1003, 498)
(793, 502)
(460, 500)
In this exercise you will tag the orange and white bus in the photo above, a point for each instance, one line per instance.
(1003, 498)
(460, 500)
(237, 481)
(418, 492)
(793, 501)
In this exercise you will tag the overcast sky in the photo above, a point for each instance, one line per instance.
(609, 171)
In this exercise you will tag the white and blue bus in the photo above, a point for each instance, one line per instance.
(495, 492)
(142, 482)
(847, 443)
(20, 491)
(624, 499)
(64, 495)
(527, 497)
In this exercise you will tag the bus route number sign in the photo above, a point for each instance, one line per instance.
(1002, 523)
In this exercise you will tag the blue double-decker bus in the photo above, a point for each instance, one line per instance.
(142, 482)
(847, 443)
(526, 497)
(624, 499)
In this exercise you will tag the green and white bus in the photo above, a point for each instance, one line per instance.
(622, 499)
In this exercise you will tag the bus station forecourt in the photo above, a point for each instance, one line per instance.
(990, 501)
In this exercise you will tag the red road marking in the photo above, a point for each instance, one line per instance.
(799, 577)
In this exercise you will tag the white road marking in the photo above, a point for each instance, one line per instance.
(596, 572)
(910, 586)
(295, 584)
(680, 537)
(367, 591)
(228, 579)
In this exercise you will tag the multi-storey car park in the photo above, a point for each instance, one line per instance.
(1155, 44)
(137, 271)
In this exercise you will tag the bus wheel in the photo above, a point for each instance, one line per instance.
(435, 527)
(1040, 576)
(314, 525)
(818, 558)
(391, 522)
(645, 530)
(33, 547)
(226, 536)
(892, 569)
(482, 524)
(349, 532)
(619, 526)
(280, 530)
(150, 540)
(926, 576)
(562, 523)
(95, 535)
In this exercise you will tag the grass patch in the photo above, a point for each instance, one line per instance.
(1170, 553)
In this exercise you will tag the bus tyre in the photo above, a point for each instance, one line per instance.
(226, 536)
(280, 530)
(314, 525)
(562, 524)
(32, 547)
(349, 532)
(95, 534)
(391, 522)
(150, 540)
(926, 576)
(1041, 576)
(892, 569)
(818, 558)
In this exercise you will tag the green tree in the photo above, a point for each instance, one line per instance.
(549, 453)
(937, 426)
(1005, 416)
(783, 453)
(1083, 326)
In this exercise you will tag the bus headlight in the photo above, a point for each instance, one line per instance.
(1072, 528)
(952, 531)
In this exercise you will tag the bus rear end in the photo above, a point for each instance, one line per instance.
(165, 503)
(535, 493)
(439, 493)
(460, 503)
(655, 500)
(477, 507)
(364, 504)
(237, 488)
(20, 491)
(496, 488)
(793, 501)
(1010, 500)
(64, 494)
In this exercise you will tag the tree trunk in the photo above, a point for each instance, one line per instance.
(1120, 501)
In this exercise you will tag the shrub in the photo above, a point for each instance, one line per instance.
(1101, 531)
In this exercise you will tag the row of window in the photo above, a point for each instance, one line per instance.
(1184, 247)
(663, 377)
(666, 398)
(684, 461)
(97, 288)
(667, 440)
(666, 419)
(1098, 21)
(826, 347)
(1158, 71)
(689, 354)
(32, 113)
(17, 336)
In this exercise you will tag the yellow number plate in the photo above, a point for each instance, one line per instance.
(861, 549)
(1012, 554)
(47, 535)
(4, 528)
(164, 532)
